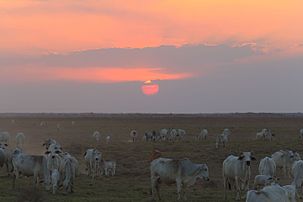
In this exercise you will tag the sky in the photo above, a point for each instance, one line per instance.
(204, 56)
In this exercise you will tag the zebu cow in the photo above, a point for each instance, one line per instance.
(164, 134)
(297, 172)
(93, 159)
(4, 136)
(203, 134)
(68, 175)
(263, 180)
(30, 165)
(20, 138)
(97, 136)
(272, 193)
(133, 135)
(182, 172)
(284, 160)
(48, 142)
(261, 134)
(267, 166)
(108, 139)
(6, 157)
(180, 134)
(75, 163)
(222, 139)
(108, 167)
(236, 170)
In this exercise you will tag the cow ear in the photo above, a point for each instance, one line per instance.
(241, 157)
(47, 152)
(253, 158)
(58, 152)
(6, 144)
(84, 154)
(43, 144)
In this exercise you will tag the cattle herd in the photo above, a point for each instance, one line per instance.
(57, 168)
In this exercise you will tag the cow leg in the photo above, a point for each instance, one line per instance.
(224, 185)
(179, 188)
(238, 189)
(155, 187)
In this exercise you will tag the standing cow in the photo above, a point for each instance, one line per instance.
(182, 172)
(236, 170)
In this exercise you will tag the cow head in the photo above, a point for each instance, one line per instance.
(247, 157)
(203, 172)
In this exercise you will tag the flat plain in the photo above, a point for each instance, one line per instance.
(132, 180)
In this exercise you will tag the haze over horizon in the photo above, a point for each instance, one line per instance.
(206, 56)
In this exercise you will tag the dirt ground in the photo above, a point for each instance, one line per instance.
(132, 182)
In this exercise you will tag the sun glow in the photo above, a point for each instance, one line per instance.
(150, 88)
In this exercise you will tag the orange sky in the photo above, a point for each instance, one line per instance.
(64, 25)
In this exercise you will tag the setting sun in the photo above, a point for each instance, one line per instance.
(150, 88)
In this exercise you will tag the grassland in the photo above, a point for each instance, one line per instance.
(132, 180)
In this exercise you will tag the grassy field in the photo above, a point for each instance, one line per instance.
(131, 182)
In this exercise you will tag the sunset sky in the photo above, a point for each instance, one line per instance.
(205, 55)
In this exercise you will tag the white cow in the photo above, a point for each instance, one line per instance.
(68, 175)
(182, 172)
(180, 134)
(203, 134)
(263, 180)
(222, 139)
(20, 138)
(133, 135)
(75, 163)
(7, 157)
(108, 139)
(272, 193)
(97, 136)
(93, 159)
(267, 166)
(297, 172)
(30, 165)
(4, 137)
(109, 167)
(164, 134)
(261, 134)
(284, 160)
(301, 133)
(48, 142)
(55, 178)
(236, 170)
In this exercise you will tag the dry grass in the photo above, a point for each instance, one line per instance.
(132, 180)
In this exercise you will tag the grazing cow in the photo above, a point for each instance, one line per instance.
(20, 137)
(93, 158)
(274, 193)
(97, 136)
(297, 172)
(301, 133)
(4, 137)
(182, 172)
(236, 169)
(133, 135)
(262, 180)
(267, 166)
(222, 139)
(48, 142)
(30, 165)
(284, 160)
(55, 178)
(203, 134)
(68, 175)
(109, 167)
